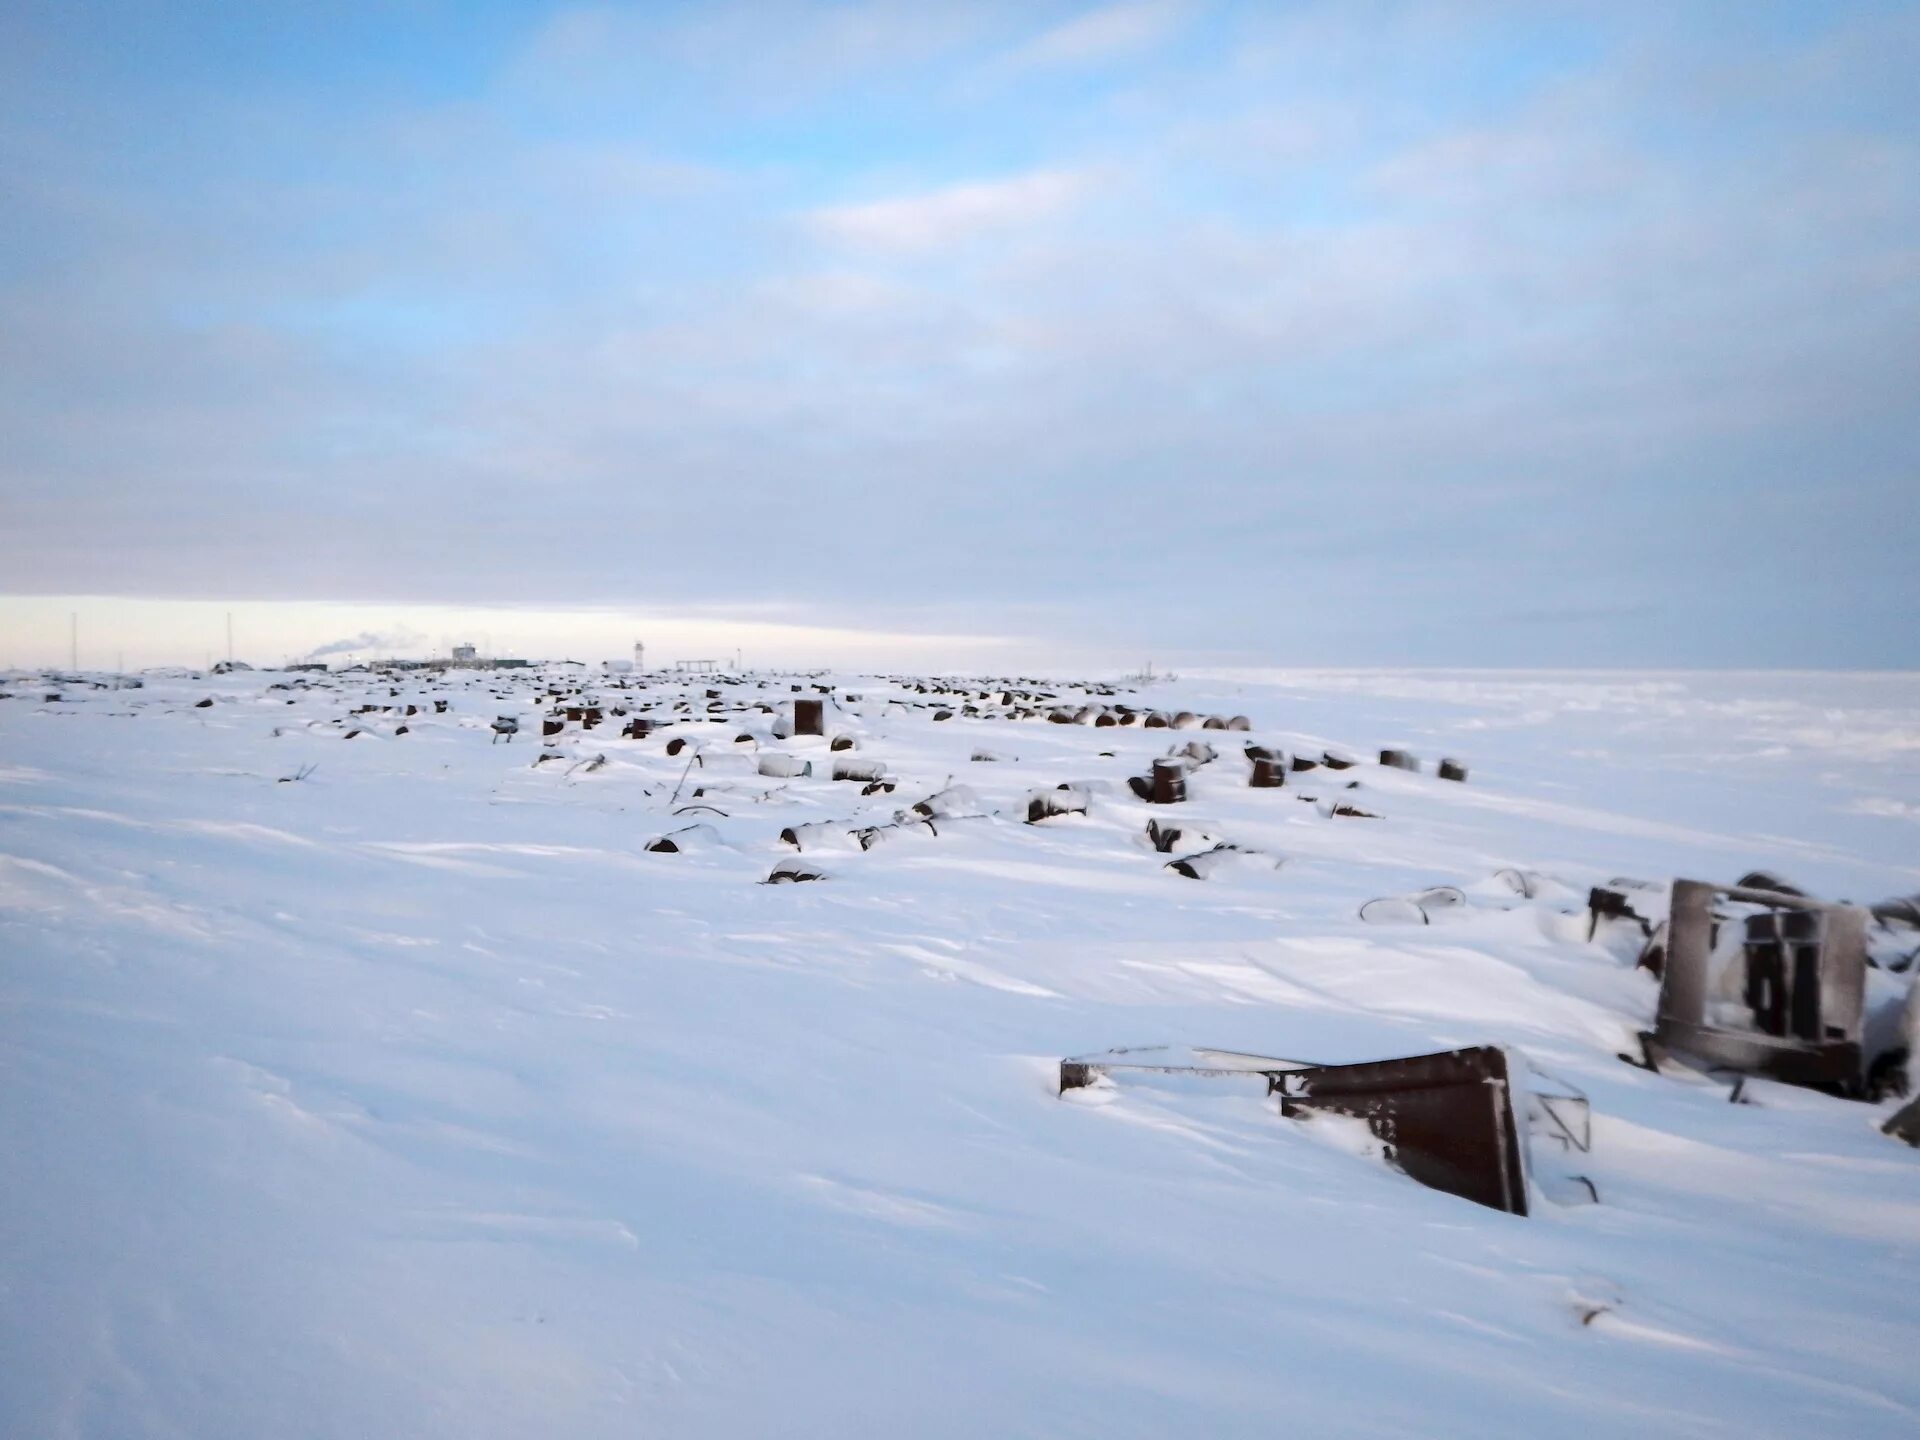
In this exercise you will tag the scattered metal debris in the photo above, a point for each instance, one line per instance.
(1605, 905)
(1168, 838)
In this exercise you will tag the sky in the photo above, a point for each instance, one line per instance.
(1356, 333)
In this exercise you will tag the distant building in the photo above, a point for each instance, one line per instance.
(465, 654)
(639, 655)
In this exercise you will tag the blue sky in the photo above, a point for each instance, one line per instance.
(1356, 333)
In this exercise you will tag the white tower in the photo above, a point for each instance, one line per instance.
(639, 655)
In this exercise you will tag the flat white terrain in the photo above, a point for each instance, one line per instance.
(414, 1097)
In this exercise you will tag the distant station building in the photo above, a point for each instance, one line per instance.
(465, 657)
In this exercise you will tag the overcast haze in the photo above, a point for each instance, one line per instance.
(1452, 334)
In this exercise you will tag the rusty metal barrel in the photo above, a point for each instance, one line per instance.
(1169, 782)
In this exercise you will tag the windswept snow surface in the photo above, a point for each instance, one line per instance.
(416, 1098)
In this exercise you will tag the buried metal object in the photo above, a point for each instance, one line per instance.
(1905, 1124)
(1064, 800)
(677, 842)
(1804, 984)
(1167, 785)
(789, 872)
(1203, 863)
(1447, 1120)
(1269, 773)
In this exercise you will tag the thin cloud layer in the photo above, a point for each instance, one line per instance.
(950, 213)
(1296, 333)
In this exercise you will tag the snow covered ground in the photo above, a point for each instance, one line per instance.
(414, 1097)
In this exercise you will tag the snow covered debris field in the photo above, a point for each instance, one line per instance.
(415, 1097)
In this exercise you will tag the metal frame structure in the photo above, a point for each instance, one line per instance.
(1805, 984)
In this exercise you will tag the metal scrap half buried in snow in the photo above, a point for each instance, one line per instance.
(1446, 1120)
(1801, 964)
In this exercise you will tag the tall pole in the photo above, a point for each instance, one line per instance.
(73, 640)
(229, 637)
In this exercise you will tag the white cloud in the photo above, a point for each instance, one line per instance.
(1102, 34)
(953, 212)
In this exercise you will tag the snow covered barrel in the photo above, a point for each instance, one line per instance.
(1045, 804)
(1204, 864)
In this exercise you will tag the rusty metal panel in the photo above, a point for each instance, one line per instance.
(1447, 1120)
(808, 717)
